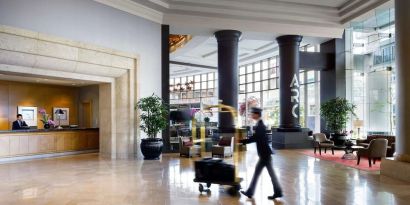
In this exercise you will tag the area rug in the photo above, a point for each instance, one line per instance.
(337, 158)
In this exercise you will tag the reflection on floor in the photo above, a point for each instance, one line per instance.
(88, 180)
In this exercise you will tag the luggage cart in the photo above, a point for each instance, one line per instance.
(205, 175)
(210, 171)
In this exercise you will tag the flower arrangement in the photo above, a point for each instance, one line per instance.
(45, 118)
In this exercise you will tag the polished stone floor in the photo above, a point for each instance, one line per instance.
(89, 179)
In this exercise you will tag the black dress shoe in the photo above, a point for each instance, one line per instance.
(275, 196)
(246, 194)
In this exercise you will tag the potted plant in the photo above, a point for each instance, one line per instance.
(153, 115)
(336, 113)
(46, 119)
(207, 120)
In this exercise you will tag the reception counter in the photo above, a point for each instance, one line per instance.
(33, 142)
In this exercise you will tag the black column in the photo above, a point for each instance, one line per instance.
(227, 74)
(289, 82)
(333, 78)
(165, 79)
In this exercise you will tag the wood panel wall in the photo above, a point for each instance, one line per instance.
(13, 94)
(32, 143)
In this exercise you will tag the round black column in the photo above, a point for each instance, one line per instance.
(227, 75)
(289, 82)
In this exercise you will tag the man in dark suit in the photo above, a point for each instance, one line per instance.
(265, 152)
(19, 124)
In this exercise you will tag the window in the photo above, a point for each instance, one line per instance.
(257, 67)
(265, 64)
(258, 76)
(242, 70)
(249, 68)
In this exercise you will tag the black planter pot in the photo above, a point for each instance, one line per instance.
(339, 139)
(46, 126)
(151, 148)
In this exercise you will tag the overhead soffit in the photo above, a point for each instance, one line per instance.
(324, 18)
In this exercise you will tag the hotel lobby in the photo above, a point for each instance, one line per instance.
(158, 102)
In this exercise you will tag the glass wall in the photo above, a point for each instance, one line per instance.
(259, 86)
(193, 89)
(370, 72)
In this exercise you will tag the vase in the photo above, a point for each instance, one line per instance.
(46, 126)
(151, 148)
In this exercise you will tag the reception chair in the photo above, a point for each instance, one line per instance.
(187, 148)
(320, 141)
(224, 148)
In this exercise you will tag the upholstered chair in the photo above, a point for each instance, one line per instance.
(377, 149)
(224, 148)
(320, 141)
(187, 148)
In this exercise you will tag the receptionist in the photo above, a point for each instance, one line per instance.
(20, 124)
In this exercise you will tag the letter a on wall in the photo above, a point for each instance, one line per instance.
(295, 94)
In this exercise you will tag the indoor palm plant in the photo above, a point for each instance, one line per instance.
(336, 113)
(153, 116)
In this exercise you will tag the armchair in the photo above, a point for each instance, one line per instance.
(391, 143)
(320, 141)
(224, 148)
(376, 149)
(187, 148)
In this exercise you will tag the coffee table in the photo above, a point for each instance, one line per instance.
(349, 155)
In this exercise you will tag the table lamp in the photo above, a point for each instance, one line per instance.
(358, 123)
(59, 112)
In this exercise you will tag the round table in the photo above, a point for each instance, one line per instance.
(349, 155)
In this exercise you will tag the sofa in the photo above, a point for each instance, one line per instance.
(391, 143)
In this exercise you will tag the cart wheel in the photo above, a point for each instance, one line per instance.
(233, 191)
(237, 187)
(208, 185)
(201, 188)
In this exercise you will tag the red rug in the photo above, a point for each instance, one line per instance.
(337, 158)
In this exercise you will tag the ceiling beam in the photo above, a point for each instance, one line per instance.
(192, 65)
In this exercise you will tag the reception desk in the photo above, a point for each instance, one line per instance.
(26, 143)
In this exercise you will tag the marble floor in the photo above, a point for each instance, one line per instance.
(88, 180)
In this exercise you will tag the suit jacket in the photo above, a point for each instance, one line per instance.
(16, 125)
(262, 142)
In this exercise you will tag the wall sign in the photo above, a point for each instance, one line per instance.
(294, 85)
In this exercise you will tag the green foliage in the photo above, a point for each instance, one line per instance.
(336, 113)
(207, 119)
(153, 115)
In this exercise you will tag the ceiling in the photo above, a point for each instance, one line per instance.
(44, 80)
(260, 22)
(320, 18)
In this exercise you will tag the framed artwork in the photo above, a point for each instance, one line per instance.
(64, 118)
(29, 114)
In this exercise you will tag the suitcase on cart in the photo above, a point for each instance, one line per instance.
(215, 171)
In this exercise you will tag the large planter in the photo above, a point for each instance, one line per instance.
(151, 148)
(339, 139)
